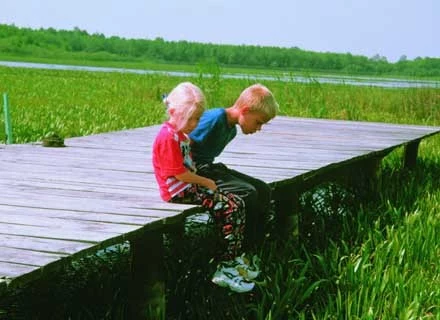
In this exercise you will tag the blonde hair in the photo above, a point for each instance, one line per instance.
(185, 99)
(258, 98)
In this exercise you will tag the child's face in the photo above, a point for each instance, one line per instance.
(252, 121)
(192, 121)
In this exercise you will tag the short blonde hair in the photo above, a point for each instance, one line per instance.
(185, 99)
(258, 98)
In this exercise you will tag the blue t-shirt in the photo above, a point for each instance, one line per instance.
(211, 136)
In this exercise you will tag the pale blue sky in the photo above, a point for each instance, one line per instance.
(390, 28)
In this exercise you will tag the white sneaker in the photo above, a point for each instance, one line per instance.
(248, 270)
(230, 277)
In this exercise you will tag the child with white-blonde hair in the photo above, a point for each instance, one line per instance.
(179, 183)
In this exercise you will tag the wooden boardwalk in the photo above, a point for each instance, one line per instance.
(62, 203)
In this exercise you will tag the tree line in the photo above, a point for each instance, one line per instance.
(49, 42)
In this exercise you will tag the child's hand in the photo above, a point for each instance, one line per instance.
(211, 185)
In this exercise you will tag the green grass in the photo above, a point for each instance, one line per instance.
(391, 272)
(76, 103)
(381, 264)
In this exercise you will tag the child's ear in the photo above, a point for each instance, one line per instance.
(245, 109)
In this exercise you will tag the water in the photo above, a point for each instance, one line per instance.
(348, 80)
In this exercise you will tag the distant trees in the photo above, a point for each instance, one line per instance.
(51, 42)
(377, 57)
(403, 58)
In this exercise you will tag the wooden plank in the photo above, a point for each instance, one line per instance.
(122, 218)
(28, 257)
(65, 224)
(48, 172)
(12, 270)
(153, 212)
(15, 181)
(349, 124)
(61, 234)
(107, 194)
(42, 244)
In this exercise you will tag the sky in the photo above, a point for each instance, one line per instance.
(389, 28)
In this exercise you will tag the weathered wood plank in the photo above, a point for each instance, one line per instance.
(64, 224)
(15, 181)
(53, 233)
(122, 218)
(42, 244)
(84, 203)
(29, 257)
(13, 270)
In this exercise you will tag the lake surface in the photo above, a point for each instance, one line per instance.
(348, 80)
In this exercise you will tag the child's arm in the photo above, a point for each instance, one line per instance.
(191, 177)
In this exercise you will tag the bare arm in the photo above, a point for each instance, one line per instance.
(191, 177)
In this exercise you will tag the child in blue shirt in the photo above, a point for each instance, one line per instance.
(254, 107)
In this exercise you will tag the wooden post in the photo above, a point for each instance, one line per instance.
(147, 299)
(367, 175)
(8, 125)
(410, 157)
(286, 201)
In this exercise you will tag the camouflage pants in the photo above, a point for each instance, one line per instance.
(227, 210)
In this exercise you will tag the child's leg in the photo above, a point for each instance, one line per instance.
(255, 193)
(258, 207)
(264, 191)
(228, 211)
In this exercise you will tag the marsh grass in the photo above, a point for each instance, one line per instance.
(94, 287)
(381, 264)
(391, 273)
(77, 103)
